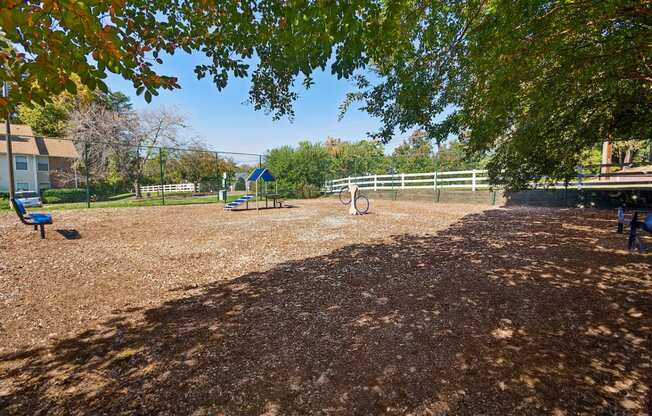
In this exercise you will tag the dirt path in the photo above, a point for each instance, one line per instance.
(415, 309)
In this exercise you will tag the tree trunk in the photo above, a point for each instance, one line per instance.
(606, 157)
(137, 188)
(628, 156)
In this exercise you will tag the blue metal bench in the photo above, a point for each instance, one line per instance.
(38, 220)
(635, 242)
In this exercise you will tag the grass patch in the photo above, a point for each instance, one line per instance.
(143, 202)
(128, 201)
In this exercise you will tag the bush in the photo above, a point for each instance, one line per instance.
(4, 200)
(61, 195)
(308, 190)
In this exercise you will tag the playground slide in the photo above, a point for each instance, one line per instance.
(237, 202)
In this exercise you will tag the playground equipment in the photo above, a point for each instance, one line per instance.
(360, 203)
(256, 176)
(242, 200)
(38, 220)
(635, 227)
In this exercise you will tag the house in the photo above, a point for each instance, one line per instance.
(39, 162)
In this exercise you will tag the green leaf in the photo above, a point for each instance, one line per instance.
(71, 87)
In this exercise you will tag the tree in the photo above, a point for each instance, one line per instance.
(414, 154)
(46, 42)
(51, 118)
(355, 158)
(94, 129)
(532, 83)
(198, 165)
(122, 143)
(152, 129)
(455, 156)
(300, 171)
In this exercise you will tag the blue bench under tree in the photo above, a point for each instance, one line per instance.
(37, 219)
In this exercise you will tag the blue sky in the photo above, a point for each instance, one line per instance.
(225, 122)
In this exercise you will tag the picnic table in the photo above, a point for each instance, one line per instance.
(276, 198)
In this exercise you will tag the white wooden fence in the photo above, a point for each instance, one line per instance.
(474, 179)
(176, 187)
(477, 179)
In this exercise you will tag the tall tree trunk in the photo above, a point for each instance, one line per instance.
(606, 157)
(628, 156)
(137, 188)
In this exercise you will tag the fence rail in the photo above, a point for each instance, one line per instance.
(463, 179)
(177, 187)
(478, 179)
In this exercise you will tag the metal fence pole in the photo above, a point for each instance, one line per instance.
(160, 163)
(217, 177)
(88, 189)
(10, 157)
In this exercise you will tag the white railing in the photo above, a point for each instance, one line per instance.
(474, 179)
(176, 187)
(477, 179)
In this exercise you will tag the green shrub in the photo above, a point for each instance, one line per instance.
(4, 200)
(308, 190)
(61, 195)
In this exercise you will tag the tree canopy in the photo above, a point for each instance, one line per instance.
(272, 41)
(532, 82)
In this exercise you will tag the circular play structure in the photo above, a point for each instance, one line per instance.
(360, 203)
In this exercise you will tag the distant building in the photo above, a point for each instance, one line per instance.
(239, 182)
(39, 162)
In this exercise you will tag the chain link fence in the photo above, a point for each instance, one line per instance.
(69, 173)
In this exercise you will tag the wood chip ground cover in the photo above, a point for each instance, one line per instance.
(416, 309)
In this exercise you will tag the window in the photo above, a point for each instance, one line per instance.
(22, 186)
(43, 185)
(43, 164)
(21, 162)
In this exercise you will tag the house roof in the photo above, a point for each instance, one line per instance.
(23, 142)
(261, 173)
(241, 175)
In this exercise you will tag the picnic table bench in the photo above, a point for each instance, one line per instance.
(276, 199)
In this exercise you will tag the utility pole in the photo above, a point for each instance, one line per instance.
(10, 153)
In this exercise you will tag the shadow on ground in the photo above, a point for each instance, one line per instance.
(523, 312)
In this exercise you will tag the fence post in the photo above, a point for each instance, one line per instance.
(349, 182)
(160, 163)
(375, 182)
(473, 180)
(88, 189)
(217, 176)
(580, 185)
(434, 180)
(402, 180)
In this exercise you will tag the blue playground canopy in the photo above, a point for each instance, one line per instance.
(261, 173)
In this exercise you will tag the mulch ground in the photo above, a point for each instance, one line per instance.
(416, 308)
